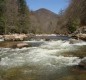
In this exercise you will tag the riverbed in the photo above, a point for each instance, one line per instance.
(51, 60)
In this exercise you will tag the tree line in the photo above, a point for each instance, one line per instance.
(14, 16)
(74, 16)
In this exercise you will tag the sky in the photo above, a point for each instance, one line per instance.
(54, 5)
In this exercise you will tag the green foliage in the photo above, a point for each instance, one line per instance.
(23, 17)
(2, 18)
(14, 16)
(1, 26)
(73, 25)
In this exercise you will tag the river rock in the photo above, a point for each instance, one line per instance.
(81, 36)
(80, 68)
(82, 64)
(1, 36)
(74, 41)
(14, 44)
(20, 45)
(15, 37)
(80, 33)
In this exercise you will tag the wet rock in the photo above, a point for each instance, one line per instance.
(80, 68)
(81, 36)
(21, 45)
(1, 36)
(47, 39)
(17, 37)
(74, 41)
(80, 33)
(82, 64)
(81, 57)
(13, 44)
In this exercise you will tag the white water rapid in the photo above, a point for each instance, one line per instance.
(49, 55)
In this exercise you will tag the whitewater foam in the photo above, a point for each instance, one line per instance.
(48, 54)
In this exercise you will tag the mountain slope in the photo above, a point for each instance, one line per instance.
(43, 21)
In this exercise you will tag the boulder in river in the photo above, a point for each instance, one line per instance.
(80, 68)
(82, 64)
(80, 33)
(14, 44)
(15, 37)
(20, 45)
(81, 36)
(74, 41)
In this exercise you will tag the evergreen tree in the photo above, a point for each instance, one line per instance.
(23, 16)
(2, 18)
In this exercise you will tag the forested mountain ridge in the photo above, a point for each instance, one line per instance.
(15, 17)
(43, 21)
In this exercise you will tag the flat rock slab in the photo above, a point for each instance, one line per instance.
(13, 44)
(23, 44)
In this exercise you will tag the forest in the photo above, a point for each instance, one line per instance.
(15, 18)
(74, 16)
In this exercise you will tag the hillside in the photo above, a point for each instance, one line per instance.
(43, 21)
(14, 16)
(74, 16)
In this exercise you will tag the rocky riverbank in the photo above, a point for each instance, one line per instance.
(80, 68)
(16, 37)
(80, 33)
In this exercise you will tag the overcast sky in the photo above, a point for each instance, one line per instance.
(53, 5)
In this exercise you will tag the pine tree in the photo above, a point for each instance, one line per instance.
(2, 18)
(23, 16)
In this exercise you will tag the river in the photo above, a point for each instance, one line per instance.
(49, 60)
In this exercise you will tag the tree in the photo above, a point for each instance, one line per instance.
(11, 14)
(2, 17)
(74, 16)
(23, 14)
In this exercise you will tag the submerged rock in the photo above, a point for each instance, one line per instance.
(81, 67)
(74, 41)
(82, 64)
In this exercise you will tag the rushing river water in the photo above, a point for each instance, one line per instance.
(51, 60)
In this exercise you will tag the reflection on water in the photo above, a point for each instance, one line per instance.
(52, 60)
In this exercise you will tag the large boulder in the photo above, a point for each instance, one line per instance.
(81, 67)
(74, 41)
(81, 36)
(21, 45)
(82, 64)
(15, 37)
